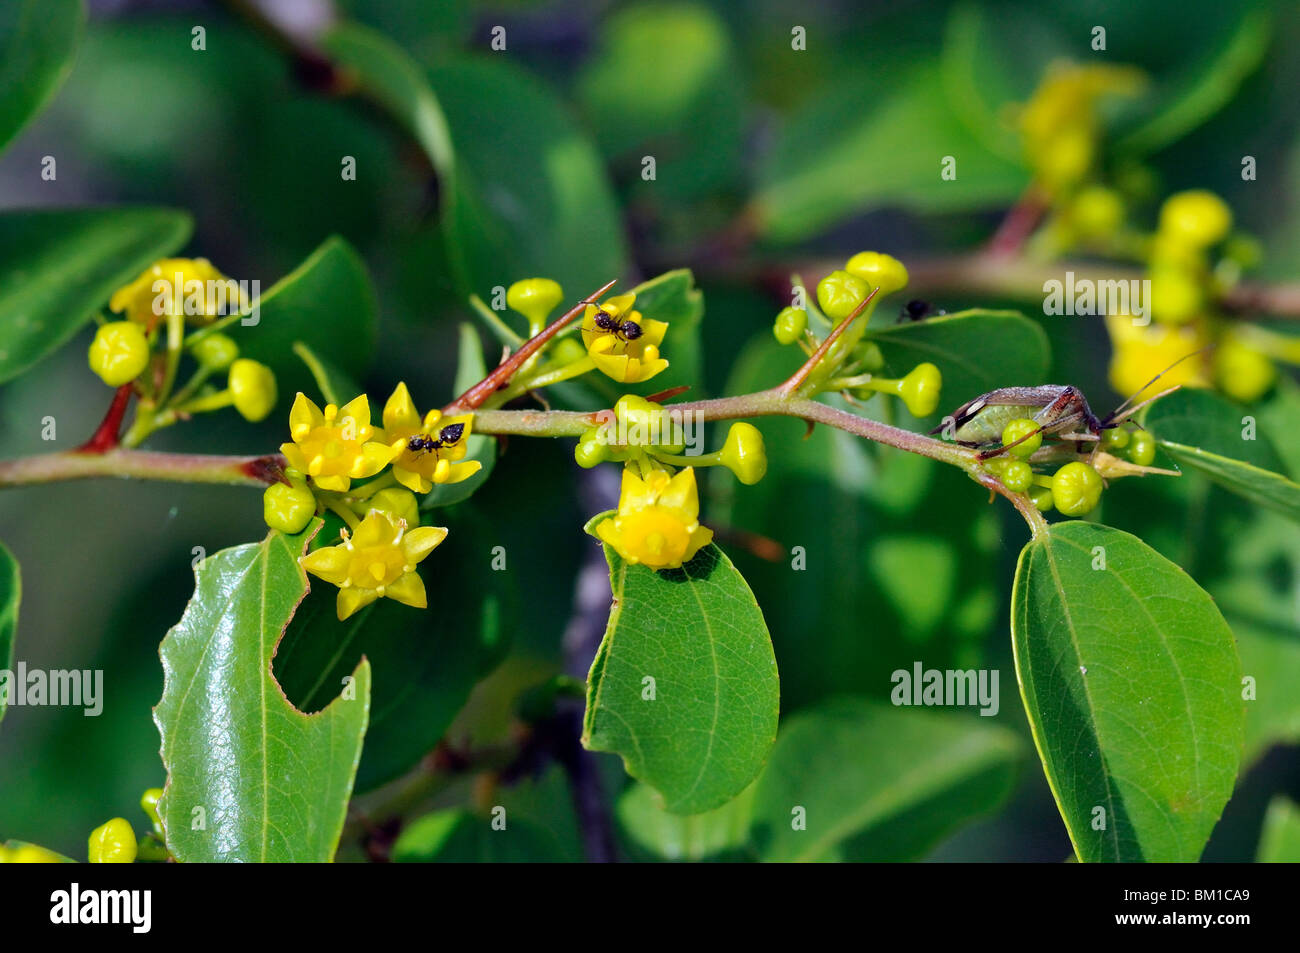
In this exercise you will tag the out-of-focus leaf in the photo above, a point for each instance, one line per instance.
(37, 41)
(385, 72)
(335, 386)
(458, 836)
(976, 351)
(327, 303)
(856, 148)
(684, 685)
(425, 661)
(1133, 688)
(690, 120)
(531, 197)
(1189, 99)
(11, 592)
(1203, 432)
(859, 780)
(1280, 841)
(719, 834)
(470, 369)
(268, 782)
(58, 267)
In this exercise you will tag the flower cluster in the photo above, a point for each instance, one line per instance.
(169, 311)
(1192, 257)
(852, 363)
(336, 461)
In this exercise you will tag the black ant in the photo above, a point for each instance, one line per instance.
(448, 436)
(627, 331)
(917, 310)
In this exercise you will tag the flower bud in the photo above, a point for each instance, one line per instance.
(1019, 428)
(920, 390)
(878, 270)
(113, 843)
(535, 299)
(743, 453)
(397, 503)
(252, 386)
(119, 353)
(215, 351)
(839, 293)
(288, 508)
(1076, 489)
(790, 324)
(1197, 217)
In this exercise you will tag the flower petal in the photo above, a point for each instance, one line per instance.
(399, 410)
(338, 484)
(374, 457)
(358, 409)
(611, 365)
(377, 529)
(329, 563)
(456, 472)
(419, 542)
(304, 417)
(409, 590)
(653, 331)
(412, 480)
(352, 599)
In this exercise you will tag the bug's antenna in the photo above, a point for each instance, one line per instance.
(1119, 413)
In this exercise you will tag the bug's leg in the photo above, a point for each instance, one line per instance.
(1125, 415)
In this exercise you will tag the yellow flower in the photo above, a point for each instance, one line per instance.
(657, 522)
(434, 458)
(1140, 353)
(1060, 125)
(621, 343)
(378, 560)
(335, 446)
(143, 303)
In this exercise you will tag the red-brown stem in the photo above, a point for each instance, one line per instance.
(473, 398)
(1020, 222)
(799, 376)
(105, 436)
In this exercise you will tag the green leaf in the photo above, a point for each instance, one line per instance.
(1203, 432)
(37, 42)
(326, 303)
(386, 73)
(470, 369)
(1205, 87)
(457, 836)
(11, 592)
(1280, 841)
(425, 661)
(870, 781)
(699, 634)
(855, 149)
(58, 268)
(541, 205)
(719, 834)
(268, 782)
(335, 386)
(691, 119)
(1133, 688)
(976, 351)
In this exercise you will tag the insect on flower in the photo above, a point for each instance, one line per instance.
(1060, 410)
(449, 436)
(627, 331)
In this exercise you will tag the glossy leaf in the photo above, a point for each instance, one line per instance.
(333, 386)
(860, 780)
(541, 207)
(855, 149)
(59, 267)
(327, 303)
(1203, 432)
(458, 836)
(1205, 86)
(684, 685)
(1280, 841)
(425, 661)
(11, 591)
(1133, 688)
(719, 834)
(37, 42)
(470, 369)
(385, 72)
(976, 351)
(249, 777)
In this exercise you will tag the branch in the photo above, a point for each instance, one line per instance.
(142, 465)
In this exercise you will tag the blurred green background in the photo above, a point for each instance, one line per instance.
(765, 159)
